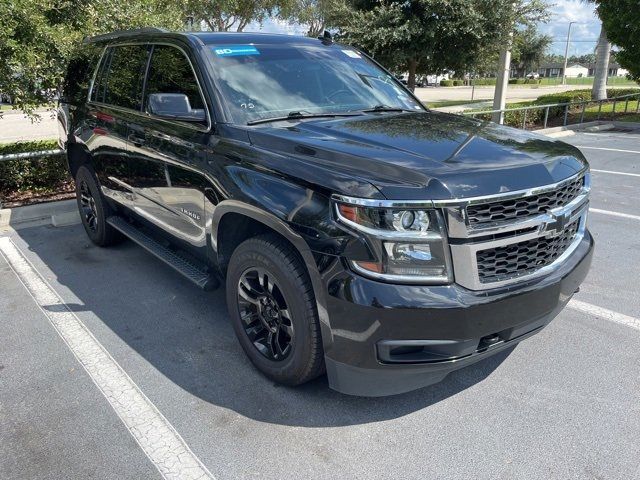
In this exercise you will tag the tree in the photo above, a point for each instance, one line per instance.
(224, 15)
(430, 36)
(603, 50)
(318, 15)
(38, 37)
(528, 49)
(621, 21)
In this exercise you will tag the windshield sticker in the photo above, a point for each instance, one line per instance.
(351, 53)
(235, 50)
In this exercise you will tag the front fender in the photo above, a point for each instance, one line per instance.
(280, 226)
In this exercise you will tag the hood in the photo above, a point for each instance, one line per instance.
(428, 155)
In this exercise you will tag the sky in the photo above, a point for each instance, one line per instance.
(584, 33)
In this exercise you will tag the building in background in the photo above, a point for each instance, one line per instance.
(574, 70)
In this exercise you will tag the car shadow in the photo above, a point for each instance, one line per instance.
(186, 335)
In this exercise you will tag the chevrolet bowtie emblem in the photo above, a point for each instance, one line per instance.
(557, 225)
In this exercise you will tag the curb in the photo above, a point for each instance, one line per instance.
(595, 126)
(58, 214)
(556, 132)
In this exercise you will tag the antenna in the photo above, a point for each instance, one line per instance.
(326, 38)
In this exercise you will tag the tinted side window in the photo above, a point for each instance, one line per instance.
(171, 72)
(97, 92)
(123, 86)
(82, 64)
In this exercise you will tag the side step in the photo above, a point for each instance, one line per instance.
(201, 278)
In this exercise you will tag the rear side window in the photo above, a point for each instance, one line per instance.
(171, 72)
(120, 77)
(80, 70)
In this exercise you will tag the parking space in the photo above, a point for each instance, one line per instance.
(564, 404)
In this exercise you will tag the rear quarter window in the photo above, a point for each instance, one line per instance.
(80, 71)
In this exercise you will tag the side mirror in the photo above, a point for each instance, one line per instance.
(174, 106)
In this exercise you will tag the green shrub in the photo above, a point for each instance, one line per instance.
(446, 83)
(45, 173)
(458, 83)
(483, 81)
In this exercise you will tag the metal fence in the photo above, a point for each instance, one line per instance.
(30, 155)
(578, 107)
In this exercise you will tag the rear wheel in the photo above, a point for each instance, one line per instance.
(273, 311)
(94, 210)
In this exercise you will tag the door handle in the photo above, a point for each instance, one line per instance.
(136, 140)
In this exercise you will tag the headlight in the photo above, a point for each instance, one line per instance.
(410, 243)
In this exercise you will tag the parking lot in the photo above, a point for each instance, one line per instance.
(113, 366)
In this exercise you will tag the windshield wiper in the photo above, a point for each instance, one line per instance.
(297, 115)
(385, 108)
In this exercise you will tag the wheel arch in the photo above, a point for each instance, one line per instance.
(259, 221)
(77, 155)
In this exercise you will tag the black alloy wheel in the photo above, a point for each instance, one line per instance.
(265, 314)
(273, 309)
(94, 209)
(88, 206)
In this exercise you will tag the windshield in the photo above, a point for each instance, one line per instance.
(265, 81)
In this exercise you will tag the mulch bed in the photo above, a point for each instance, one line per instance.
(28, 197)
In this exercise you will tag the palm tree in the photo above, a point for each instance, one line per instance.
(603, 50)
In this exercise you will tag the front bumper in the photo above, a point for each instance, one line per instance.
(388, 339)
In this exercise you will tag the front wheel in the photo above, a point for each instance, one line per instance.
(273, 311)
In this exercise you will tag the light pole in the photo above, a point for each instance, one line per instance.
(566, 54)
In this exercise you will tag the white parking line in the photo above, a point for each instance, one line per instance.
(162, 444)
(605, 313)
(614, 214)
(609, 149)
(626, 136)
(616, 173)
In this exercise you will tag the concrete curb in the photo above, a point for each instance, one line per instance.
(58, 214)
(595, 126)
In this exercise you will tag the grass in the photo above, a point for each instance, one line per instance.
(611, 81)
(452, 103)
(591, 113)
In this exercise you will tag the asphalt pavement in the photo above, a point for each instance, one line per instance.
(564, 404)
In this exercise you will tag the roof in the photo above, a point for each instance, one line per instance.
(613, 65)
(561, 65)
(220, 38)
(250, 37)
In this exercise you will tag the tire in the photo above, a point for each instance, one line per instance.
(287, 292)
(94, 210)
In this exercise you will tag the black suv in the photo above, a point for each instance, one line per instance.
(358, 233)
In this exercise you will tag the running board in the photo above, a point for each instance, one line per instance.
(192, 272)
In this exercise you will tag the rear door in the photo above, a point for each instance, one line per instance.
(115, 101)
(167, 156)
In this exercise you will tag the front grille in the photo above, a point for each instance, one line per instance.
(523, 258)
(506, 210)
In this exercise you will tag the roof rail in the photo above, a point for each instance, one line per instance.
(123, 34)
